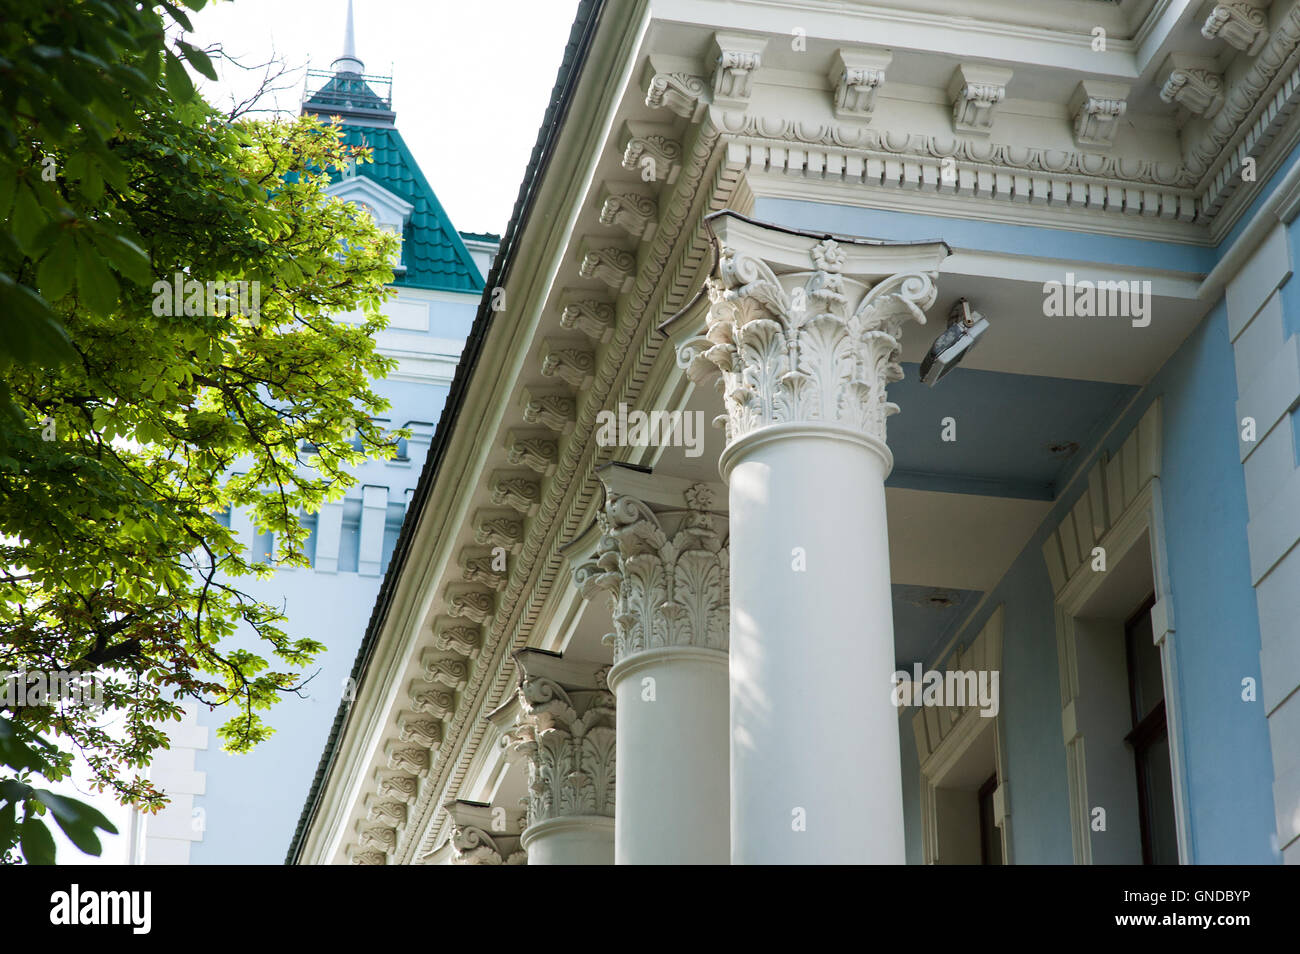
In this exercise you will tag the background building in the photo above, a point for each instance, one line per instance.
(239, 809)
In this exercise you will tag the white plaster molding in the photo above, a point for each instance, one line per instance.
(539, 453)
(387, 208)
(1097, 109)
(975, 92)
(474, 603)
(476, 840)
(592, 316)
(549, 409)
(498, 529)
(449, 670)
(679, 92)
(652, 151)
(1122, 506)
(514, 490)
(736, 59)
(614, 266)
(1194, 84)
(1239, 24)
(798, 344)
(564, 729)
(666, 572)
(414, 727)
(455, 635)
(856, 77)
(573, 365)
(633, 212)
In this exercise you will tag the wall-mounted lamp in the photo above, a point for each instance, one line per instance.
(965, 325)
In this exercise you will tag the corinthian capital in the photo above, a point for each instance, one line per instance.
(664, 567)
(483, 835)
(806, 328)
(561, 721)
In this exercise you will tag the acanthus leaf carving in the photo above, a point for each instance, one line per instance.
(632, 212)
(555, 411)
(668, 586)
(498, 530)
(566, 734)
(1199, 91)
(813, 345)
(414, 727)
(572, 365)
(450, 671)
(678, 92)
(1239, 24)
(453, 635)
(592, 317)
(513, 490)
(478, 568)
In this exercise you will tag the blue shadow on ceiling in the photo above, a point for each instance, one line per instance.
(925, 618)
(1017, 435)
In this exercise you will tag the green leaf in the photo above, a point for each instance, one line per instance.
(29, 331)
(127, 257)
(178, 81)
(95, 283)
(9, 824)
(179, 16)
(7, 184)
(54, 277)
(198, 59)
(27, 219)
(37, 842)
(77, 819)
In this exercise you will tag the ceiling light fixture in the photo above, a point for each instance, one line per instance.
(965, 325)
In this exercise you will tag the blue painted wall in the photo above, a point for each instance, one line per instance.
(1228, 765)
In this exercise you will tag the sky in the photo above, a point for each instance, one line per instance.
(471, 80)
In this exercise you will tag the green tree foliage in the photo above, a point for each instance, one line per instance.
(133, 414)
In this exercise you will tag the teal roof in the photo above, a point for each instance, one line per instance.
(353, 95)
(432, 250)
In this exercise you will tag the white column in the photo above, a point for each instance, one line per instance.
(563, 725)
(805, 354)
(665, 568)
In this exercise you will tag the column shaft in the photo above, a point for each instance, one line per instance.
(814, 747)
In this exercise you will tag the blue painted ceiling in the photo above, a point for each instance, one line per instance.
(925, 618)
(1017, 435)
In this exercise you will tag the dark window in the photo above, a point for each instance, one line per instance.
(990, 837)
(1150, 741)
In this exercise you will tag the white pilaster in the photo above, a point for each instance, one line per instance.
(662, 558)
(805, 354)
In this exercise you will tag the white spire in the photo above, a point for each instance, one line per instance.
(348, 62)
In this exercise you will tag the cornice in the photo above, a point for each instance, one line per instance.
(1083, 188)
(565, 497)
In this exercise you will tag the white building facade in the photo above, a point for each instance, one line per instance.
(988, 329)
